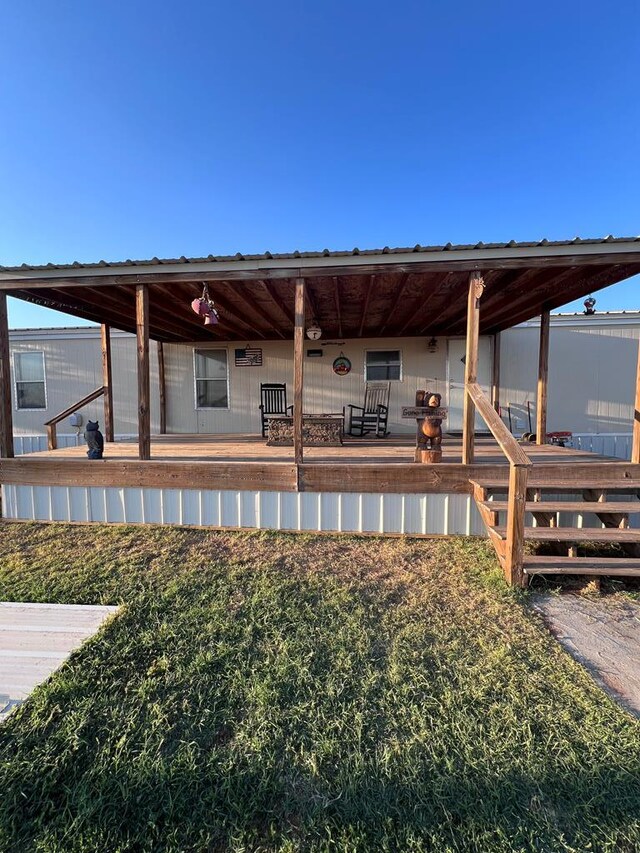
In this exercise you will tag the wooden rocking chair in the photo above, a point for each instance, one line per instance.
(273, 404)
(372, 416)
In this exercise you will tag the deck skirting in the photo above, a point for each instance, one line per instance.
(330, 512)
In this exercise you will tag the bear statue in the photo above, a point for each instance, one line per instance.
(429, 429)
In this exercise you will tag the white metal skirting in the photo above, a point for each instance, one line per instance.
(341, 512)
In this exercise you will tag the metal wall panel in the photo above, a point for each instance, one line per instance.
(307, 511)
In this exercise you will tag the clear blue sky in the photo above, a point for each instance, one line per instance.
(137, 129)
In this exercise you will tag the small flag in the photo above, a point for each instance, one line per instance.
(249, 357)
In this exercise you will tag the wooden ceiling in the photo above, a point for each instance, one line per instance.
(369, 302)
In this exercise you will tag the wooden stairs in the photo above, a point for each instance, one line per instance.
(611, 501)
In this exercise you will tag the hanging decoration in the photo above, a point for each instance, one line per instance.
(341, 365)
(589, 305)
(248, 357)
(204, 307)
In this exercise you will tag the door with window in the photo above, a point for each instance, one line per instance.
(457, 348)
(211, 386)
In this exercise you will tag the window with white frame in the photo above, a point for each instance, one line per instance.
(31, 392)
(380, 364)
(212, 378)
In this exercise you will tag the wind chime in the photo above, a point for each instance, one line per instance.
(204, 306)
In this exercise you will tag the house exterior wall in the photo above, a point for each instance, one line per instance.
(592, 368)
(73, 368)
(592, 372)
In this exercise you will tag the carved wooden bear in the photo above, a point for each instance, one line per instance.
(429, 429)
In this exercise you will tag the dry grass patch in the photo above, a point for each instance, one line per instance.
(274, 692)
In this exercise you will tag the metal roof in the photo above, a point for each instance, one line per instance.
(326, 253)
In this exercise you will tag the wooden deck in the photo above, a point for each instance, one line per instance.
(35, 639)
(355, 451)
(245, 463)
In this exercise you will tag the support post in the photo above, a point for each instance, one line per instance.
(543, 377)
(142, 334)
(476, 288)
(495, 373)
(162, 389)
(635, 447)
(105, 340)
(298, 366)
(6, 415)
(514, 549)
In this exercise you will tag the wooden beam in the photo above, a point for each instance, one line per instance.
(635, 447)
(543, 377)
(272, 290)
(298, 368)
(162, 389)
(142, 335)
(495, 373)
(6, 415)
(365, 307)
(311, 302)
(476, 287)
(251, 306)
(514, 548)
(336, 297)
(402, 286)
(105, 345)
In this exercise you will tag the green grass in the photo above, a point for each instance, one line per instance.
(272, 692)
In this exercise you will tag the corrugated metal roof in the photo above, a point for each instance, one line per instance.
(326, 253)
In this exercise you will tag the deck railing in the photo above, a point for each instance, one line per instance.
(519, 465)
(52, 438)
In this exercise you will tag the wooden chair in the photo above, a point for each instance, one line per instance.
(273, 403)
(372, 416)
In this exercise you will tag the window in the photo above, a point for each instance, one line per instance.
(212, 379)
(30, 383)
(382, 364)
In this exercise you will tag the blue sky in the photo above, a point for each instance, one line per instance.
(138, 129)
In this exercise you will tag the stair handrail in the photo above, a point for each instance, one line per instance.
(519, 465)
(52, 435)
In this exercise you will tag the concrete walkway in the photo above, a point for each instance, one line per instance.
(603, 634)
(35, 639)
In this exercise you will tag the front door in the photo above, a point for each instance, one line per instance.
(456, 350)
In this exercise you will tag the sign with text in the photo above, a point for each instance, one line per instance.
(424, 412)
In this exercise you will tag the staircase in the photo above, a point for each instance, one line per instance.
(611, 502)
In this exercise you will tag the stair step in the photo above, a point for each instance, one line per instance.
(582, 566)
(560, 485)
(576, 534)
(626, 507)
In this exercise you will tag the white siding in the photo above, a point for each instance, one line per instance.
(344, 512)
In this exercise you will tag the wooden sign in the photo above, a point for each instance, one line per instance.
(424, 412)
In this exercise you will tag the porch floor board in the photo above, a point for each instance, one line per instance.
(252, 448)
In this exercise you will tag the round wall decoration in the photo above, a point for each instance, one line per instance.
(341, 365)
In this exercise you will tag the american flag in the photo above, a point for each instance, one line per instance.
(249, 357)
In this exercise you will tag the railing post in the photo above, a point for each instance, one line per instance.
(298, 369)
(543, 380)
(476, 288)
(514, 551)
(52, 437)
(6, 416)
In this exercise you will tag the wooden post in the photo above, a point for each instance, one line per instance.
(514, 549)
(476, 287)
(495, 373)
(543, 375)
(142, 333)
(105, 339)
(6, 415)
(635, 448)
(298, 366)
(162, 390)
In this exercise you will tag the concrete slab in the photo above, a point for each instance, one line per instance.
(603, 634)
(35, 639)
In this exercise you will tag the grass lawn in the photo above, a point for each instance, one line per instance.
(274, 692)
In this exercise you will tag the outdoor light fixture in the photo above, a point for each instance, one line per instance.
(314, 332)
(432, 345)
(204, 307)
(589, 305)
